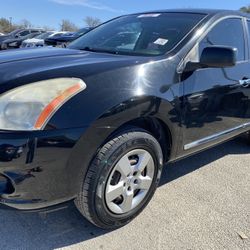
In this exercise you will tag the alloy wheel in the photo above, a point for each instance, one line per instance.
(129, 181)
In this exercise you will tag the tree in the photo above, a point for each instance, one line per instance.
(67, 25)
(25, 24)
(92, 21)
(245, 9)
(49, 28)
(5, 25)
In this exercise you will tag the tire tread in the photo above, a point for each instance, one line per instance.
(82, 201)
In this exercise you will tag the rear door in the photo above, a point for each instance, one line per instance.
(216, 101)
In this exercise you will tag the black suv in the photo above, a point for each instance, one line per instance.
(97, 121)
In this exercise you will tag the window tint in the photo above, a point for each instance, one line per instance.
(34, 31)
(228, 32)
(24, 33)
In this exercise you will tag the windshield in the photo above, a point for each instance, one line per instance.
(44, 35)
(31, 35)
(13, 33)
(144, 34)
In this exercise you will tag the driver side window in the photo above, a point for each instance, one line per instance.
(228, 32)
(24, 33)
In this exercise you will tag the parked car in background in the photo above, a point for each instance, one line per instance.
(38, 41)
(18, 34)
(50, 41)
(15, 43)
(66, 39)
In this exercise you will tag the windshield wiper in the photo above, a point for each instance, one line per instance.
(99, 50)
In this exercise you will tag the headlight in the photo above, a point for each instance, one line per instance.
(30, 107)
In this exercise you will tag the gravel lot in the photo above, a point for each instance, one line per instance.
(203, 202)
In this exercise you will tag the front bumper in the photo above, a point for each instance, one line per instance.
(34, 167)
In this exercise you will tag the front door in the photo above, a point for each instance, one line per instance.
(216, 100)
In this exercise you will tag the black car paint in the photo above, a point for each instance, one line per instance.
(47, 167)
(54, 41)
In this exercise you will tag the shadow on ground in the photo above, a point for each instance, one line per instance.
(64, 227)
(175, 170)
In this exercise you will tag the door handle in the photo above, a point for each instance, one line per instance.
(244, 83)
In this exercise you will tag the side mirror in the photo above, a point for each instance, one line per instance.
(215, 57)
(218, 57)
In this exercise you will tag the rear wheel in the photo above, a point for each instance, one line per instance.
(121, 179)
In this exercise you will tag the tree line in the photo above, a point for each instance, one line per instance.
(245, 9)
(6, 25)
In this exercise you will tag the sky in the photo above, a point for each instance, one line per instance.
(51, 12)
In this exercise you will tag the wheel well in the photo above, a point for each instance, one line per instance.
(157, 128)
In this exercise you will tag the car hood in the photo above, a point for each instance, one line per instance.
(24, 54)
(28, 65)
(63, 56)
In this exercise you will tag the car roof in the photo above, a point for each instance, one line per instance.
(199, 11)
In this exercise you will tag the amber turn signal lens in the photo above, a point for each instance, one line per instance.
(53, 106)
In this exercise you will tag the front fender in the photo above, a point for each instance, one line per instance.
(97, 133)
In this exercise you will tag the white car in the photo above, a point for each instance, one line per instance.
(1, 34)
(38, 41)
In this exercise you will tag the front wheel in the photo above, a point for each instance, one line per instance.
(121, 179)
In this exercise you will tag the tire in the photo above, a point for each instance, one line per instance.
(134, 184)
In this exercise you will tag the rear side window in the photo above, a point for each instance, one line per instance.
(34, 31)
(24, 33)
(228, 32)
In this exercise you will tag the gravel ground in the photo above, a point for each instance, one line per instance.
(203, 202)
